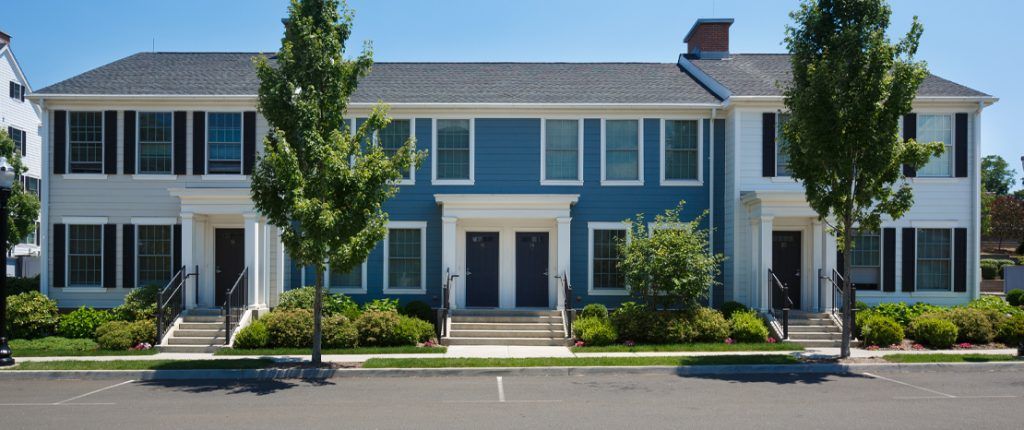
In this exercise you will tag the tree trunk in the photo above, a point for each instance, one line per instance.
(844, 349)
(318, 305)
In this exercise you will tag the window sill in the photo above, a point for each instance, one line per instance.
(922, 294)
(348, 290)
(405, 290)
(682, 183)
(87, 176)
(405, 182)
(608, 292)
(154, 177)
(616, 183)
(225, 177)
(562, 182)
(84, 290)
(783, 180)
(452, 182)
(935, 179)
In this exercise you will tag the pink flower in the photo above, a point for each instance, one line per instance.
(771, 339)
(729, 341)
(918, 346)
(964, 345)
(580, 343)
(872, 348)
(142, 346)
(629, 343)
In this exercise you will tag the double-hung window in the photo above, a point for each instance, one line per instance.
(32, 185)
(936, 128)
(85, 146)
(605, 275)
(350, 280)
(866, 272)
(155, 261)
(405, 257)
(224, 137)
(392, 138)
(155, 143)
(562, 152)
(85, 255)
(934, 259)
(680, 152)
(18, 136)
(621, 152)
(17, 91)
(453, 151)
(781, 147)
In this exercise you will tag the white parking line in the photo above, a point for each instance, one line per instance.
(94, 392)
(948, 396)
(501, 391)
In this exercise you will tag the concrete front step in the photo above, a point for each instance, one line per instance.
(506, 312)
(201, 326)
(181, 349)
(506, 326)
(206, 341)
(504, 341)
(211, 312)
(202, 319)
(506, 319)
(815, 335)
(506, 334)
(822, 343)
(198, 333)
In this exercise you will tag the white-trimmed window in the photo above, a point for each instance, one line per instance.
(934, 259)
(224, 143)
(31, 185)
(453, 162)
(85, 255)
(681, 152)
(603, 262)
(18, 136)
(936, 128)
(156, 154)
(561, 152)
(405, 259)
(85, 145)
(866, 254)
(393, 137)
(154, 255)
(17, 91)
(781, 156)
(353, 281)
(622, 152)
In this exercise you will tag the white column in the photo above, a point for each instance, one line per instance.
(448, 240)
(564, 242)
(765, 231)
(188, 258)
(280, 268)
(252, 256)
(818, 263)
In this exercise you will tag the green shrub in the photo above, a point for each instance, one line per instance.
(902, 313)
(411, 331)
(747, 326)
(419, 310)
(973, 325)
(378, 328)
(333, 303)
(594, 310)
(122, 335)
(635, 322)
(703, 325)
(728, 308)
(933, 331)
(82, 322)
(989, 268)
(994, 303)
(339, 332)
(139, 304)
(289, 328)
(381, 305)
(861, 306)
(54, 344)
(881, 330)
(252, 336)
(17, 286)
(1015, 297)
(594, 331)
(30, 315)
(1011, 330)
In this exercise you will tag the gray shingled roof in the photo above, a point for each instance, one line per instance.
(757, 75)
(233, 74)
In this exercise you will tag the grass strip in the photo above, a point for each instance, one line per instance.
(381, 363)
(333, 351)
(693, 347)
(948, 358)
(79, 353)
(244, 363)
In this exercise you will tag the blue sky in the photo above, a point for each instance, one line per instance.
(979, 46)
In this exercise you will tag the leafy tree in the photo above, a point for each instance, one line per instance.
(668, 265)
(22, 206)
(986, 215)
(996, 175)
(851, 86)
(314, 180)
(1007, 218)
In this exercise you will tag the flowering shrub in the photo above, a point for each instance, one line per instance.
(918, 347)
(771, 339)
(964, 345)
(872, 348)
(580, 343)
(729, 341)
(142, 346)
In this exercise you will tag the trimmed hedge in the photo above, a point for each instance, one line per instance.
(289, 328)
(1015, 297)
(339, 332)
(728, 308)
(122, 335)
(255, 335)
(139, 304)
(881, 330)
(747, 326)
(594, 331)
(703, 325)
(333, 303)
(1011, 330)
(82, 322)
(30, 315)
(378, 328)
(635, 322)
(933, 331)
(594, 310)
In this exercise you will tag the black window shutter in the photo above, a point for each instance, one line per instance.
(24, 143)
(248, 142)
(22, 93)
(60, 141)
(177, 247)
(129, 142)
(960, 145)
(59, 256)
(768, 144)
(960, 260)
(179, 142)
(909, 132)
(909, 258)
(889, 259)
(198, 143)
(110, 256)
(839, 263)
(128, 255)
(110, 142)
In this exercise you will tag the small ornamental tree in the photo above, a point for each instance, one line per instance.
(314, 180)
(668, 265)
(996, 175)
(1006, 218)
(851, 86)
(22, 206)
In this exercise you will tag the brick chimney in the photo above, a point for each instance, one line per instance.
(5, 39)
(708, 38)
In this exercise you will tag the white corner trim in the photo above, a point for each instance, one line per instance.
(543, 154)
(600, 225)
(84, 176)
(422, 226)
(84, 220)
(605, 182)
(154, 220)
(433, 153)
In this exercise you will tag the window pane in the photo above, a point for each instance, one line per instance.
(936, 128)
(453, 149)
(224, 134)
(352, 279)
(622, 150)
(394, 136)
(934, 259)
(561, 159)
(155, 142)
(606, 259)
(680, 149)
(85, 143)
(781, 156)
(85, 255)
(867, 257)
(404, 262)
(154, 254)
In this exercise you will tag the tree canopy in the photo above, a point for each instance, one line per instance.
(996, 175)
(22, 206)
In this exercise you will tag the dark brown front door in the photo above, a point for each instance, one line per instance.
(786, 264)
(229, 247)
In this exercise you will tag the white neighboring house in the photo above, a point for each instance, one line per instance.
(21, 119)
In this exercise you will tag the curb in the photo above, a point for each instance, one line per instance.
(276, 374)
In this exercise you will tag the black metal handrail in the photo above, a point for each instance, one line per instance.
(838, 306)
(170, 302)
(775, 284)
(235, 301)
(568, 312)
(441, 324)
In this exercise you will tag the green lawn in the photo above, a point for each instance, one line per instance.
(948, 358)
(245, 363)
(378, 363)
(55, 346)
(359, 350)
(703, 347)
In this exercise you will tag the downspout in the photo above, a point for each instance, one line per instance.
(711, 195)
(976, 198)
(44, 192)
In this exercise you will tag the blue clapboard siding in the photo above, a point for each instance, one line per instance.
(507, 152)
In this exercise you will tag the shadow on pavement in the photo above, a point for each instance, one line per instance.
(777, 378)
(260, 388)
